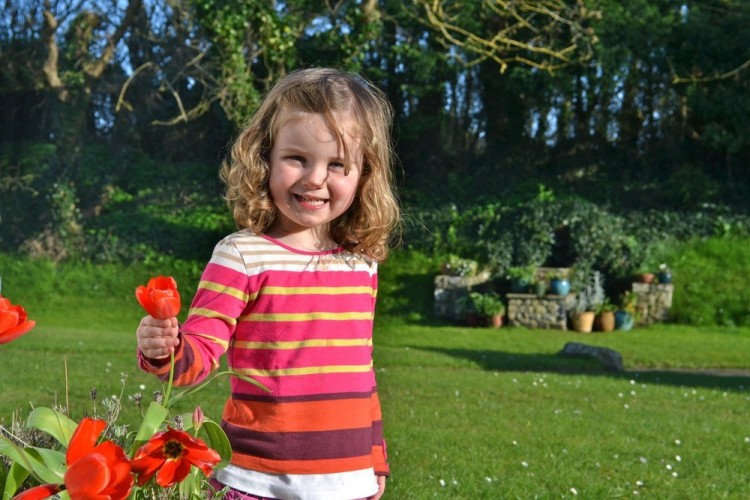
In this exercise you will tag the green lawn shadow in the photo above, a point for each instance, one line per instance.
(552, 363)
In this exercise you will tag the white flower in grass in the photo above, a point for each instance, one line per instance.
(525, 463)
(442, 483)
(574, 491)
(142, 387)
(747, 439)
(677, 442)
(639, 483)
(674, 474)
(669, 466)
(678, 458)
(643, 460)
(488, 479)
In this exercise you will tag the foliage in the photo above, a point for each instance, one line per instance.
(591, 296)
(710, 279)
(458, 266)
(525, 273)
(487, 304)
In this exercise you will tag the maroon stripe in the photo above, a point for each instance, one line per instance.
(265, 398)
(317, 445)
(182, 365)
(377, 433)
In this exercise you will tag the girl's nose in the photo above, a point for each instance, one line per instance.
(316, 175)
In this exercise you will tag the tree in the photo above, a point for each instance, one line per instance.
(543, 34)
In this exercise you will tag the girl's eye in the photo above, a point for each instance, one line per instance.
(336, 166)
(297, 159)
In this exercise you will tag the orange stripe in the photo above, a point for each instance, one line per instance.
(330, 415)
(325, 466)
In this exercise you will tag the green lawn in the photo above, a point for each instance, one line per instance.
(476, 413)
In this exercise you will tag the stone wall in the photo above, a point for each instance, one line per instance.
(452, 292)
(654, 302)
(548, 312)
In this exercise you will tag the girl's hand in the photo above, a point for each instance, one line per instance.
(157, 338)
(381, 488)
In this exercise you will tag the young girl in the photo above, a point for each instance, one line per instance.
(290, 297)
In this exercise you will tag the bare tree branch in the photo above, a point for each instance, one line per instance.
(543, 34)
(676, 79)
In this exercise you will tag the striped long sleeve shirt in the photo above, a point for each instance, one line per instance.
(301, 324)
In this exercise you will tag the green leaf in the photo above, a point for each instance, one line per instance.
(215, 438)
(30, 461)
(54, 423)
(218, 440)
(190, 487)
(151, 423)
(15, 477)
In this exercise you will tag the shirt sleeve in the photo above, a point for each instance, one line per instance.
(219, 301)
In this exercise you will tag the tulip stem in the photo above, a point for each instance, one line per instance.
(171, 379)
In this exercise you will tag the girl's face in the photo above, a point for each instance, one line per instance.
(307, 180)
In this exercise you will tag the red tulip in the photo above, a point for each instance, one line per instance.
(39, 492)
(13, 321)
(171, 453)
(94, 472)
(160, 297)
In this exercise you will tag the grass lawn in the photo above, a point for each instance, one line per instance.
(475, 413)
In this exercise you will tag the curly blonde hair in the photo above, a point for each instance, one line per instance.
(367, 225)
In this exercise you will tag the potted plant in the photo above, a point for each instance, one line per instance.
(521, 278)
(605, 316)
(587, 301)
(458, 266)
(466, 305)
(664, 276)
(559, 285)
(626, 315)
(489, 307)
(539, 287)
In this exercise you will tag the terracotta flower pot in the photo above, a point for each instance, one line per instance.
(496, 320)
(605, 321)
(645, 277)
(584, 322)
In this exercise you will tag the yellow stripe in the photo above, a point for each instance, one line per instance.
(223, 343)
(298, 344)
(208, 313)
(227, 290)
(318, 290)
(306, 316)
(308, 370)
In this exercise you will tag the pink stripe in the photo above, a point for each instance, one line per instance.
(269, 359)
(310, 279)
(303, 330)
(306, 385)
(317, 303)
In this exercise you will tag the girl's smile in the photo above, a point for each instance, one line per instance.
(311, 181)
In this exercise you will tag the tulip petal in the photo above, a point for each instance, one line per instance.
(8, 319)
(38, 492)
(84, 438)
(16, 332)
(87, 477)
(160, 297)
